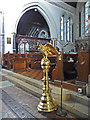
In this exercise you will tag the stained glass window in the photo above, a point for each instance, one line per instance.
(87, 19)
(62, 28)
(68, 29)
(71, 30)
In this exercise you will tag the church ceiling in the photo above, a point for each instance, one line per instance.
(73, 4)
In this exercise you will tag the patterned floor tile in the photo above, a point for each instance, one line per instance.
(28, 102)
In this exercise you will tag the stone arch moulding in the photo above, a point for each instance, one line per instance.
(43, 11)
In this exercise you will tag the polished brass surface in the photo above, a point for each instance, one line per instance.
(46, 103)
(47, 49)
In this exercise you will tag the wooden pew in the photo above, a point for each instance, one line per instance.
(35, 60)
(69, 66)
(19, 64)
(8, 59)
(75, 74)
(32, 60)
(69, 71)
(68, 75)
(83, 66)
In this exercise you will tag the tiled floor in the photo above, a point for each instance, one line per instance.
(27, 101)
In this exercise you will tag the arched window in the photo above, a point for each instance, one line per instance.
(62, 28)
(84, 20)
(68, 29)
(87, 18)
(71, 30)
(65, 29)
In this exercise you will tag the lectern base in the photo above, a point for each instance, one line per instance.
(61, 113)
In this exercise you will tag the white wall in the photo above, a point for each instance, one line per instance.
(0, 38)
(1, 33)
(11, 9)
(56, 11)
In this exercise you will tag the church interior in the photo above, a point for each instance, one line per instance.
(45, 60)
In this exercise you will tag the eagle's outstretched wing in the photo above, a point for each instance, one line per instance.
(51, 49)
(47, 49)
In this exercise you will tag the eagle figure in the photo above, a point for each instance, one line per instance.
(47, 49)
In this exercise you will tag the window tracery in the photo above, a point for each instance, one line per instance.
(62, 28)
(66, 29)
(87, 18)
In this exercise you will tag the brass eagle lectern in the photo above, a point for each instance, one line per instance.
(46, 103)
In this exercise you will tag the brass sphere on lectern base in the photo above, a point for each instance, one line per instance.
(46, 103)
